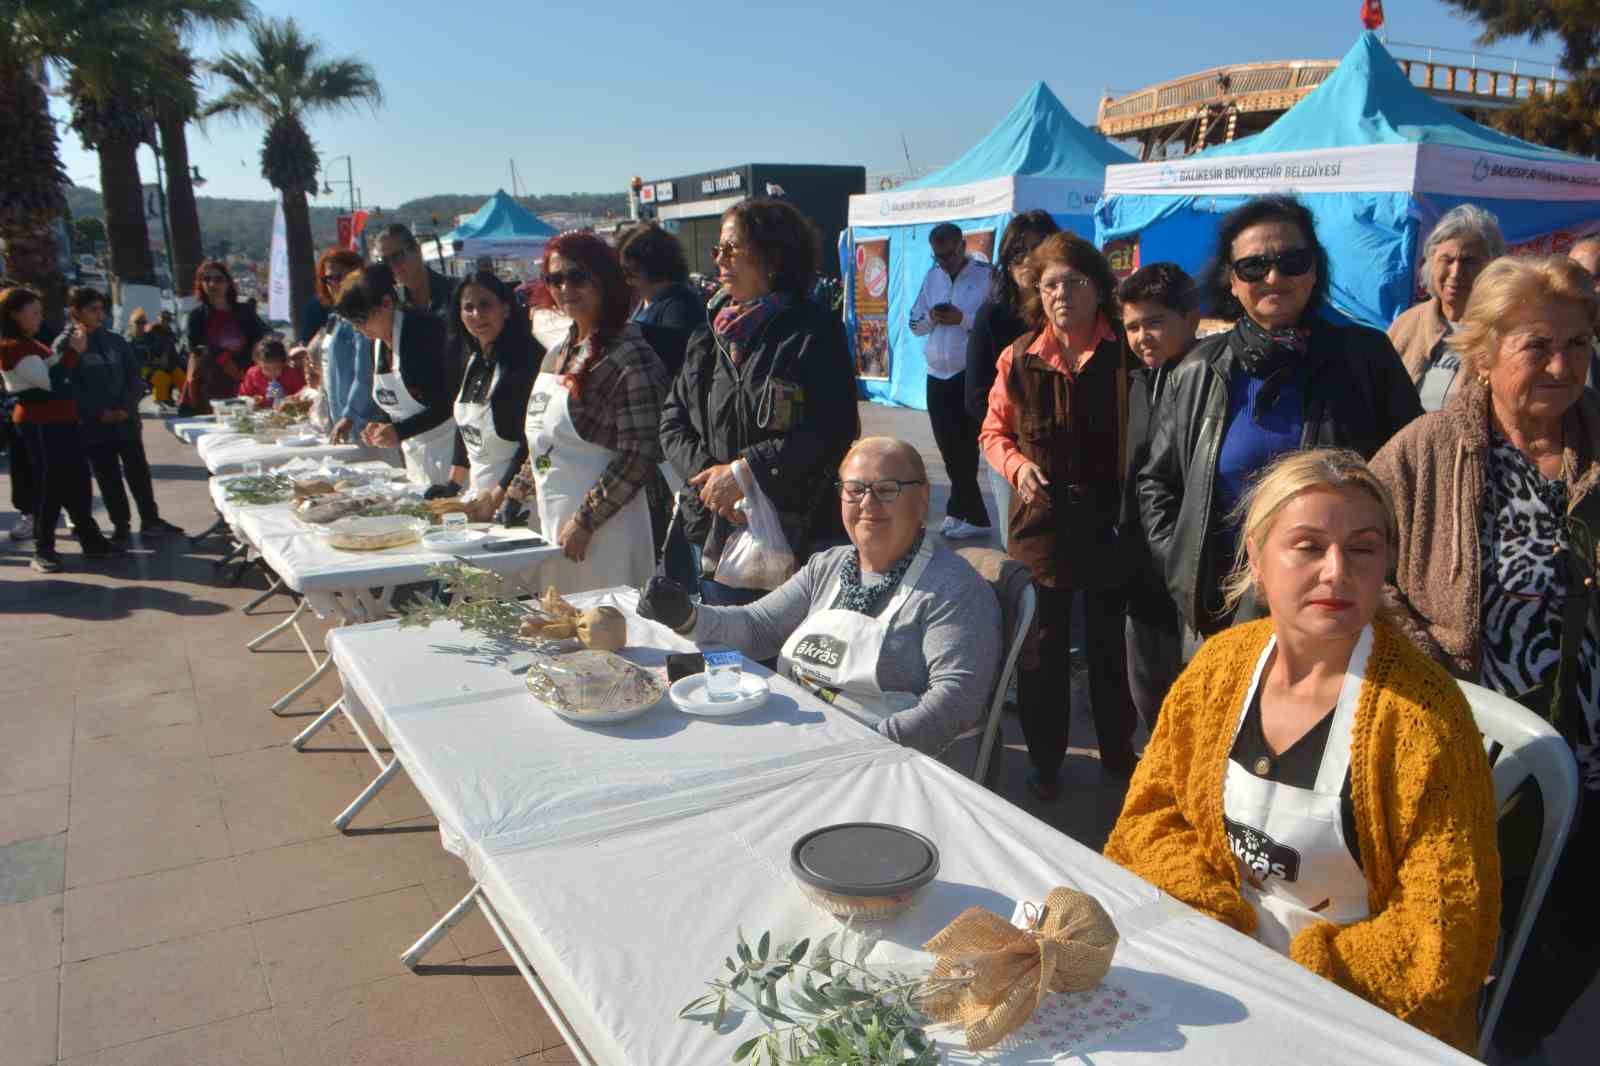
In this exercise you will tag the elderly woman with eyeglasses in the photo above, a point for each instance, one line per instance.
(895, 628)
(1465, 240)
(1281, 379)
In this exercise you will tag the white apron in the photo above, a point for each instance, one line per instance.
(488, 453)
(1294, 864)
(429, 456)
(834, 653)
(565, 468)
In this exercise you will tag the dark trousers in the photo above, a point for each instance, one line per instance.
(1044, 679)
(62, 479)
(1563, 952)
(113, 461)
(1155, 658)
(24, 491)
(956, 433)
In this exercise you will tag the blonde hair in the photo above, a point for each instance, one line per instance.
(1503, 291)
(1285, 478)
(894, 446)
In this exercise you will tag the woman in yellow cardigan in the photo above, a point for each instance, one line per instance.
(1316, 781)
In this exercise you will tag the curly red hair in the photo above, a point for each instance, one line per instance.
(601, 262)
(200, 272)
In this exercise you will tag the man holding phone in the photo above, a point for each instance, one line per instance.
(945, 308)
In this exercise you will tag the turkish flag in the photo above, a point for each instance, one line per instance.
(1372, 13)
(344, 231)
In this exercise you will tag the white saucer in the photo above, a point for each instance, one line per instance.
(689, 696)
(299, 440)
(441, 541)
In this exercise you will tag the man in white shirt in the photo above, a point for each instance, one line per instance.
(944, 312)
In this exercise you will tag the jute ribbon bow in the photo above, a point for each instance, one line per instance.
(990, 976)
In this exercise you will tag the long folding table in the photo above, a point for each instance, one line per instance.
(615, 864)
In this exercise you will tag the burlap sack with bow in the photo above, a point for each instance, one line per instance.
(990, 976)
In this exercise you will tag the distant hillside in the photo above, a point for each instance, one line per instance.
(245, 226)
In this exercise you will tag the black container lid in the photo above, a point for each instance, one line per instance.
(864, 859)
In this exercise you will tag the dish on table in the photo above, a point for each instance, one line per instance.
(863, 870)
(446, 540)
(373, 533)
(689, 696)
(299, 440)
(594, 687)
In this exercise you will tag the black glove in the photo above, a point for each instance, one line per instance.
(665, 601)
(512, 513)
(442, 492)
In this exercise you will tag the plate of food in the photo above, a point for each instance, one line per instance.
(596, 688)
(371, 533)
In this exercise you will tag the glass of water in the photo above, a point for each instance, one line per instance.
(252, 470)
(454, 526)
(723, 671)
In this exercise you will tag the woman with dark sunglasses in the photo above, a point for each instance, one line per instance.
(1282, 378)
(593, 426)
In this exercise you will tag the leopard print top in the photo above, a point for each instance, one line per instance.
(1521, 529)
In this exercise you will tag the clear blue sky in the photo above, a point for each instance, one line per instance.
(587, 94)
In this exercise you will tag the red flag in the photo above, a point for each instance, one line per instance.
(1372, 13)
(344, 231)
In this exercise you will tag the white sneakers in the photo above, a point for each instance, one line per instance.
(959, 529)
(23, 530)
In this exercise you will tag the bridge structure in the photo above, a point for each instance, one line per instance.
(1222, 104)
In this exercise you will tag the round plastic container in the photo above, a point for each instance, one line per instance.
(864, 870)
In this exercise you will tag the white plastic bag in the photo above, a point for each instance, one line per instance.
(757, 555)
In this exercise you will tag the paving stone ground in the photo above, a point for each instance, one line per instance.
(171, 888)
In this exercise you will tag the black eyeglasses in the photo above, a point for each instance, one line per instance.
(394, 257)
(572, 277)
(1291, 264)
(884, 490)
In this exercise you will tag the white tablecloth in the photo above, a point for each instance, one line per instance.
(227, 453)
(624, 859)
(492, 762)
(189, 430)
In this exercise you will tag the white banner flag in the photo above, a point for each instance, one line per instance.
(278, 268)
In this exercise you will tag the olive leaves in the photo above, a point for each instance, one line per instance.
(820, 1004)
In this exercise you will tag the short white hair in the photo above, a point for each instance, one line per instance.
(1466, 222)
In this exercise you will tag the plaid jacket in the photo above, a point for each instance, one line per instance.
(618, 407)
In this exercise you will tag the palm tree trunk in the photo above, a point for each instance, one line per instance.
(31, 179)
(302, 254)
(182, 213)
(126, 231)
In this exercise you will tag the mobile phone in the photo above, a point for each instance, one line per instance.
(943, 307)
(682, 664)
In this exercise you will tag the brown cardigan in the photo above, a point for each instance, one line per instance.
(1437, 467)
(1415, 333)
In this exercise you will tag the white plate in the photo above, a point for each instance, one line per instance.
(689, 695)
(440, 540)
(299, 440)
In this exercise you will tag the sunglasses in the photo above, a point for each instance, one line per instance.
(214, 279)
(394, 258)
(725, 250)
(574, 278)
(1291, 264)
(332, 280)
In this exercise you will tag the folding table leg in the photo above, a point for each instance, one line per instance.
(272, 590)
(540, 992)
(233, 552)
(299, 742)
(216, 527)
(413, 955)
(279, 628)
(294, 693)
(376, 786)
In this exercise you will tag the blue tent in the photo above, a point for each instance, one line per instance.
(1377, 161)
(501, 229)
(1039, 156)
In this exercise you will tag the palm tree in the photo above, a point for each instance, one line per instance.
(100, 41)
(281, 81)
(174, 109)
(110, 116)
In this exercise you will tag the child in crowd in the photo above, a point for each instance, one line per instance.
(1160, 312)
(271, 379)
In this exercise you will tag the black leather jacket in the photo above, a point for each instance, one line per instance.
(1358, 395)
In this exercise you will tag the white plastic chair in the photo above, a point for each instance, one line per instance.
(1530, 747)
(1008, 669)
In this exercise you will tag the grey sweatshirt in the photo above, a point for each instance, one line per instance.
(944, 644)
